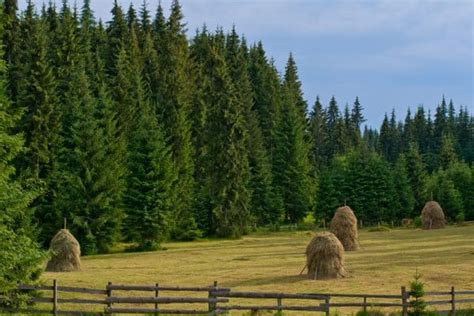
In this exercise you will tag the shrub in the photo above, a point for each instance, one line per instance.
(371, 312)
(417, 222)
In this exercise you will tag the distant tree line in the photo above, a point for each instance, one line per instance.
(136, 133)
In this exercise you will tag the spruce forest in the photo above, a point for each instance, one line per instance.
(135, 132)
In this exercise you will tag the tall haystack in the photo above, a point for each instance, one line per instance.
(432, 216)
(344, 226)
(66, 253)
(325, 257)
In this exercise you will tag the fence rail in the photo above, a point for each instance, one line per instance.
(218, 300)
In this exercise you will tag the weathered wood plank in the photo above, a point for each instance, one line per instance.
(366, 305)
(394, 296)
(272, 308)
(269, 295)
(35, 287)
(81, 301)
(163, 300)
(124, 310)
(81, 290)
(152, 288)
(41, 300)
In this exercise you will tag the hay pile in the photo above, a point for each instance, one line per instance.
(432, 216)
(325, 257)
(344, 226)
(66, 253)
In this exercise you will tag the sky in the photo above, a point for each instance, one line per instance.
(395, 54)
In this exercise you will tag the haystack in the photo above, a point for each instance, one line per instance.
(325, 257)
(432, 216)
(344, 226)
(66, 253)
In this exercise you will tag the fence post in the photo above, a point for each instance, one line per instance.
(212, 305)
(109, 295)
(279, 304)
(55, 297)
(156, 296)
(326, 301)
(365, 303)
(453, 301)
(404, 301)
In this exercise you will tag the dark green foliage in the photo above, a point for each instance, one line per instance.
(318, 134)
(291, 165)
(41, 123)
(417, 176)
(363, 180)
(451, 188)
(20, 257)
(403, 189)
(148, 197)
(265, 205)
(173, 108)
(226, 146)
(133, 107)
(89, 183)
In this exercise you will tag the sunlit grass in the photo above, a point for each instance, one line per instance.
(273, 261)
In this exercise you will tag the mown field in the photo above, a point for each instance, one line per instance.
(273, 261)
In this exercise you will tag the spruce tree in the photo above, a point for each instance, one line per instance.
(21, 258)
(226, 143)
(319, 134)
(447, 154)
(403, 189)
(264, 204)
(417, 176)
(357, 118)
(148, 198)
(292, 167)
(87, 192)
(173, 110)
(266, 95)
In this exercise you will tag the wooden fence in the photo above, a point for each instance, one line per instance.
(212, 300)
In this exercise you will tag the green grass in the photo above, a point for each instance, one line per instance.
(273, 261)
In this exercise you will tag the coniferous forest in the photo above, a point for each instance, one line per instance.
(135, 132)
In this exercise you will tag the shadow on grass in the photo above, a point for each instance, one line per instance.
(288, 279)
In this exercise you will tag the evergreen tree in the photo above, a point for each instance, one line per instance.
(20, 259)
(40, 123)
(89, 186)
(447, 153)
(440, 123)
(403, 189)
(117, 35)
(318, 134)
(417, 176)
(226, 187)
(357, 118)
(266, 94)
(292, 167)
(465, 135)
(148, 199)
(174, 109)
(264, 204)
(444, 191)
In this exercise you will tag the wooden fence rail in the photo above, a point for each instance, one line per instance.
(215, 300)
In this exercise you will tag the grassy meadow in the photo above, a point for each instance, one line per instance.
(273, 261)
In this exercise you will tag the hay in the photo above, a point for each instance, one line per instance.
(432, 216)
(344, 226)
(325, 257)
(66, 253)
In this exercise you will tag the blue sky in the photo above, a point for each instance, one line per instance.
(392, 54)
